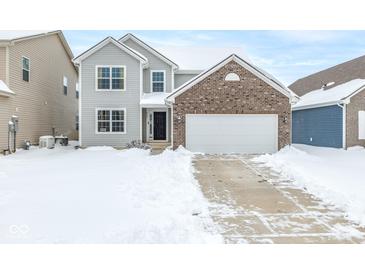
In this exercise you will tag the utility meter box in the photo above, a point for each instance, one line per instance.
(15, 120)
(11, 126)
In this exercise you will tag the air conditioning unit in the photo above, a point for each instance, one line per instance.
(46, 141)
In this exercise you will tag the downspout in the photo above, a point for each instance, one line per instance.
(170, 104)
(342, 105)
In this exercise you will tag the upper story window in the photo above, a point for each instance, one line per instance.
(77, 90)
(64, 85)
(25, 68)
(158, 81)
(110, 78)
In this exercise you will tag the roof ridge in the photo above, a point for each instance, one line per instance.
(144, 44)
(112, 39)
(328, 68)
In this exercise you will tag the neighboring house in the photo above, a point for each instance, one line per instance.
(129, 91)
(330, 112)
(37, 84)
(333, 117)
(336, 75)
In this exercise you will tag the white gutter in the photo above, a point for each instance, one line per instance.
(320, 105)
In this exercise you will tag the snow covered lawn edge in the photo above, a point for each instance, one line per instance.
(102, 195)
(334, 175)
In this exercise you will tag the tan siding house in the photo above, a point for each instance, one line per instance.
(40, 103)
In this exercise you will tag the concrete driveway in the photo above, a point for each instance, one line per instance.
(251, 204)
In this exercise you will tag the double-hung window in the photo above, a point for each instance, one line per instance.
(77, 93)
(111, 120)
(158, 80)
(64, 85)
(110, 78)
(77, 122)
(25, 68)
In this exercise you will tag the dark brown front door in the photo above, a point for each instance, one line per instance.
(159, 125)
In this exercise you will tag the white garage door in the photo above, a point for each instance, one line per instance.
(232, 133)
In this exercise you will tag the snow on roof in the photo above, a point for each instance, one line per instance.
(330, 96)
(154, 99)
(16, 34)
(4, 89)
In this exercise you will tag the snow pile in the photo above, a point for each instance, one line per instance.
(153, 99)
(332, 95)
(334, 175)
(101, 195)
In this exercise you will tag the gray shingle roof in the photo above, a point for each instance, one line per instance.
(339, 74)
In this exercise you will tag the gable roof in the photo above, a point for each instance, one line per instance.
(266, 77)
(13, 36)
(332, 96)
(106, 41)
(339, 74)
(148, 48)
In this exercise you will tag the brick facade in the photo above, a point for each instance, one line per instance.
(214, 95)
(357, 103)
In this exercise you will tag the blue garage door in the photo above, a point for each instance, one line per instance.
(318, 126)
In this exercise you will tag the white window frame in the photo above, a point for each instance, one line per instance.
(110, 79)
(65, 84)
(164, 80)
(24, 57)
(110, 119)
(77, 91)
(150, 124)
(361, 124)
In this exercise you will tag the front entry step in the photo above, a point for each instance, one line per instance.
(158, 147)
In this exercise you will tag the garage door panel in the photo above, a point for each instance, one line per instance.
(219, 149)
(231, 133)
(210, 139)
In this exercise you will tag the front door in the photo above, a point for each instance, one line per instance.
(159, 125)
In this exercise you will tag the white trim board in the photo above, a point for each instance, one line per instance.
(152, 111)
(80, 105)
(103, 43)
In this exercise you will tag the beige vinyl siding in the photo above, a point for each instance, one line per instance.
(92, 99)
(3, 64)
(40, 103)
(183, 78)
(155, 63)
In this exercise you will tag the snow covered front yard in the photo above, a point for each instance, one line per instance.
(101, 195)
(334, 175)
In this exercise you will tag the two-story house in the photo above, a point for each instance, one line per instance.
(123, 86)
(130, 91)
(38, 84)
